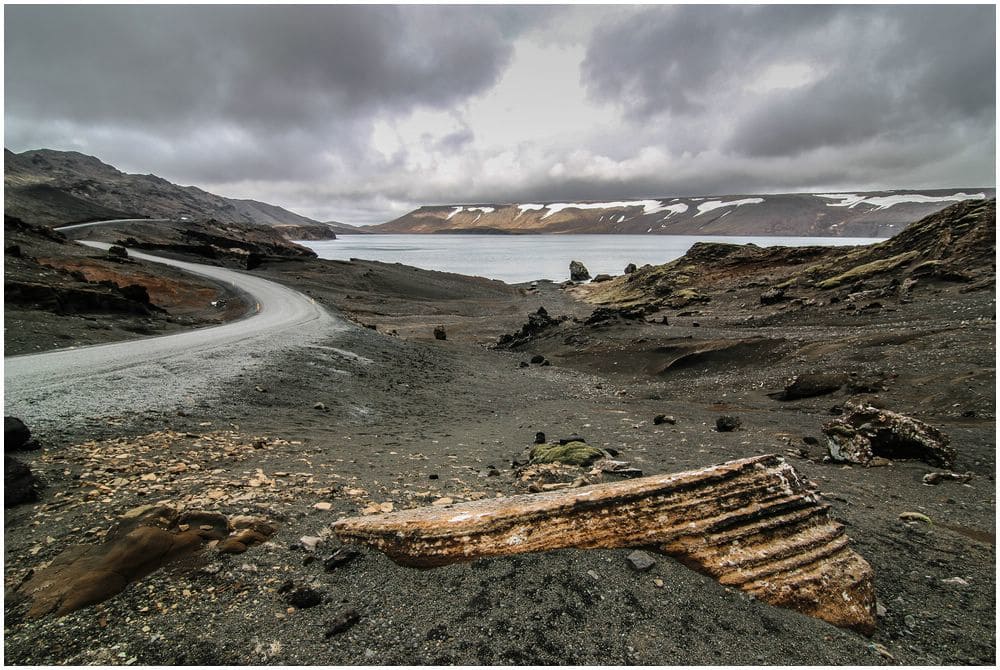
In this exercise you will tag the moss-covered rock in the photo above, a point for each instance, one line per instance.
(571, 453)
(868, 269)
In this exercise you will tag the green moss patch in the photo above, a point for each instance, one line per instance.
(571, 453)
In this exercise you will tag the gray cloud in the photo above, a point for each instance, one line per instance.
(285, 104)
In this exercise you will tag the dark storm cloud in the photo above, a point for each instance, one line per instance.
(884, 72)
(359, 113)
(268, 65)
(238, 74)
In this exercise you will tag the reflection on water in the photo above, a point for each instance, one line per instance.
(522, 258)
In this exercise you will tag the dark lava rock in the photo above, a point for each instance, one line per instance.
(344, 620)
(304, 597)
(342, 556)
(604, 314)
(601, 278)
(811, 385)
(16, 436)
(19, 484)
(537, 322)
(663, 418)
(539, 438)
(439, 333)
(117, 252)
(772, 296)
(522, 364)
(630, 268)
(726, 424)
(578, 271)
(13, 250)
(640, 561)
(571, 438)
(537, 359)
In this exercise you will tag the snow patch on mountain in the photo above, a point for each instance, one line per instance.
(716, 204)
(881, 202)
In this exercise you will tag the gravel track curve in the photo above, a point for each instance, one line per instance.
(69, 385)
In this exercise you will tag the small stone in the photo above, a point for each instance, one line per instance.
(539, 438)
(726, 424)
(537, 359)
(955, 581)
(640, 560)
(342, 556)
(658, 583)
(880, 609)
(440, 333)
(319, 405)
(914, 516)
(442, 501)
(148, 477)
(215, 494)
(385, 507)
(910, 621)
(594, 575)
(432, 476)
(310, 542)
(323, 506)
(344, 620)
(260, 389)
(881, 651)
(663, 418)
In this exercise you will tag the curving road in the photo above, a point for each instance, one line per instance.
(163, 372)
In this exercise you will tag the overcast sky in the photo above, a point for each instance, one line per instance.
(361, 113)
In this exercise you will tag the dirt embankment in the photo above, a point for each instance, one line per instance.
(375, 420)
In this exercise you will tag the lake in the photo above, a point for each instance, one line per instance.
(522, 258)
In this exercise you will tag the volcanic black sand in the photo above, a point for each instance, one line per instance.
(394, 415)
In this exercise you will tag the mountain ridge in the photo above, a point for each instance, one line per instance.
(833, 214)
(51, 187)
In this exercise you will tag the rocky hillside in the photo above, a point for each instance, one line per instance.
(872, 214)
(59, 187)
(957, 244)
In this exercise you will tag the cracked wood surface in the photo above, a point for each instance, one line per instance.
(750, 523)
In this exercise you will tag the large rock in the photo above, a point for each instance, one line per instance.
(16, 436)
(865, 432)
(19, 484)
(578, 271)
(752, 524)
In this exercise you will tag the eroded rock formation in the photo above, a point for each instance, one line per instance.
(865, 433)
(751, 523)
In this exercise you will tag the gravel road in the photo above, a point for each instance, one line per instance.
(68, 385)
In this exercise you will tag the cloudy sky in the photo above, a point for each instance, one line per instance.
(361, 113)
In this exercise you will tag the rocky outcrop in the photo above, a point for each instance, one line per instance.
(752, 523)
(537, 323)
(578, 271)
(865, 433)
(810, 385)
(16, 436)
(19, 484)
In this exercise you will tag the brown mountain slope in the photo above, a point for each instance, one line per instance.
(59, 187)
(872, 214)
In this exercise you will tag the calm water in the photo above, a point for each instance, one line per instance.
(521, 258)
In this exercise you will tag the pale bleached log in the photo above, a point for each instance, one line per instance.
(751, 523)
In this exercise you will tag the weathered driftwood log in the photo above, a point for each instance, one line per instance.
(750, 523)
